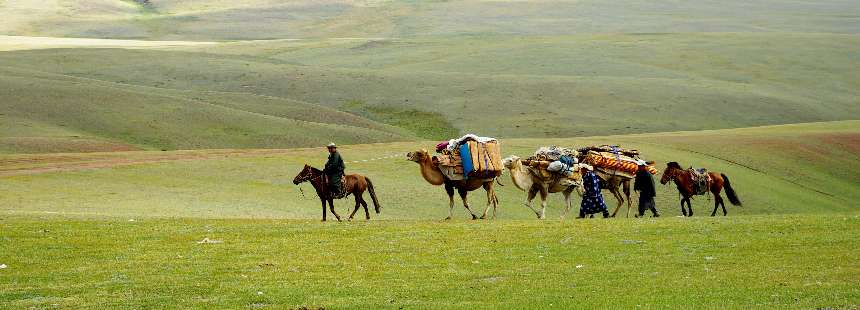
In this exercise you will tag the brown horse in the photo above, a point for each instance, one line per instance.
(354, 184)
(686, 186)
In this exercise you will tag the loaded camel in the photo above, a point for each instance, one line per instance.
(434, 176)
(526, 179)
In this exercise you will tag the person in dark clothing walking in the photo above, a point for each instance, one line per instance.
(644, 184)
(592, 199)
(334, 168)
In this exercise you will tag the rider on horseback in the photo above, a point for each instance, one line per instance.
(334, 168)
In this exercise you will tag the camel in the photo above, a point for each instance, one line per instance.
(434, 176)
(527, 180)
(615, 183)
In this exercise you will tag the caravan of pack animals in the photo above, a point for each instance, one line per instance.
(472, 162)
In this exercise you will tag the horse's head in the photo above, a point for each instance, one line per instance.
(417, 156)
(511, 162)
(305, 175)
(672, 170)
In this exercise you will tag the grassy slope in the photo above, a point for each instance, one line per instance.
(743, 262)
(807, 168)
(50, 112)
(512, 86)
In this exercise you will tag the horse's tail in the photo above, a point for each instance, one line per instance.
(730, 192)
(376, 204)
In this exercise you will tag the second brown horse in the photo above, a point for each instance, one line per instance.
(686, 186)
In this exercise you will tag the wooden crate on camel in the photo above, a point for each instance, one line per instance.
(470, 156)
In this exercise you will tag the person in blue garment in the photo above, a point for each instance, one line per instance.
(592, 199)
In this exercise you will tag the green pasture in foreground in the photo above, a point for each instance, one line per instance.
(806, 261)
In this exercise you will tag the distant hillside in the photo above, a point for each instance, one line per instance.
(43, 112)
(439, 87)
(268, 19)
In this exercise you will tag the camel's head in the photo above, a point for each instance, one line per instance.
(417, 156)
(511, 161)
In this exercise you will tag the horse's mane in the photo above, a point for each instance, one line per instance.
(314, 169)
(674, 164)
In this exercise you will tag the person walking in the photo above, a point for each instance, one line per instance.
(592, 199)
(644, 184)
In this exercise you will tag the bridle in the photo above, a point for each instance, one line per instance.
(310, 178)
(671, 173)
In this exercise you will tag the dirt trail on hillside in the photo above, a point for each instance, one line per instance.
(13, 43)
(43, 163)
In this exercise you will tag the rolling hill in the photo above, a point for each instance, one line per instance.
(788, 169)
(440, 87)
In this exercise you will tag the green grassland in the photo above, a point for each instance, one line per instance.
(403, 89)
(736, 262)
(118, 157)
(128, 236)
(805, 168)
(267, 19)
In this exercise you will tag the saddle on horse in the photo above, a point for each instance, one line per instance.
(701, 179)
(336, 191)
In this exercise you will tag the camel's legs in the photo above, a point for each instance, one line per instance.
(450, 190)
(626, 184)
(531, 196)
(567, 202)
(490, 194)
(465, 196)
(543, 196)
(620, 199)
(496, 204)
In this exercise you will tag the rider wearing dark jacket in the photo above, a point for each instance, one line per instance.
(644, 184)
(334, 168)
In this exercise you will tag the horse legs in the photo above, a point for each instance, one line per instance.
(690, 205)
(684, 211)
(717, 201)
(323, 207)
(356, 209)
(464, 194)
(366, 211)
(331, 208)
